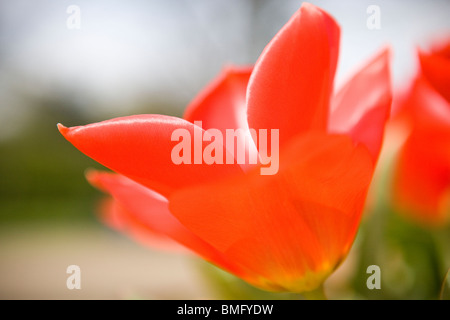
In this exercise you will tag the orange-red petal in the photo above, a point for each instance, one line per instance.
(421, 181)
(148, 209)
(140, 148)
(291, 83)
(290, 229)
(436, 68)
(423, 106)
(361, 107)
(221, 105)
(115, 216)
(422, 176)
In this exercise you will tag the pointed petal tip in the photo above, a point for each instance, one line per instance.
(382, 58)
(386, 52)
(91, 175)
(96, 178)
(62, 129)
(306, 6)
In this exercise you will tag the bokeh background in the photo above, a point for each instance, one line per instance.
(140, 56)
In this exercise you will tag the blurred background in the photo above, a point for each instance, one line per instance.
(130, 57)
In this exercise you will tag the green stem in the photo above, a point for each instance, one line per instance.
(317, 294)
(445, 288)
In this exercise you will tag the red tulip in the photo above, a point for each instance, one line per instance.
(281, 232)
(422, 171)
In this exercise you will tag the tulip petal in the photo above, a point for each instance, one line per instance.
(292, 80)
(362, 106)
(147, 209)
(140, 147)
(115, 216)
(422, 176)
(436, 68)
(290, 229)
(221, 105)
(423, 106)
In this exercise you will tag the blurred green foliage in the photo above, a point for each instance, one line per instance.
(413, 258)
(41, 173)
